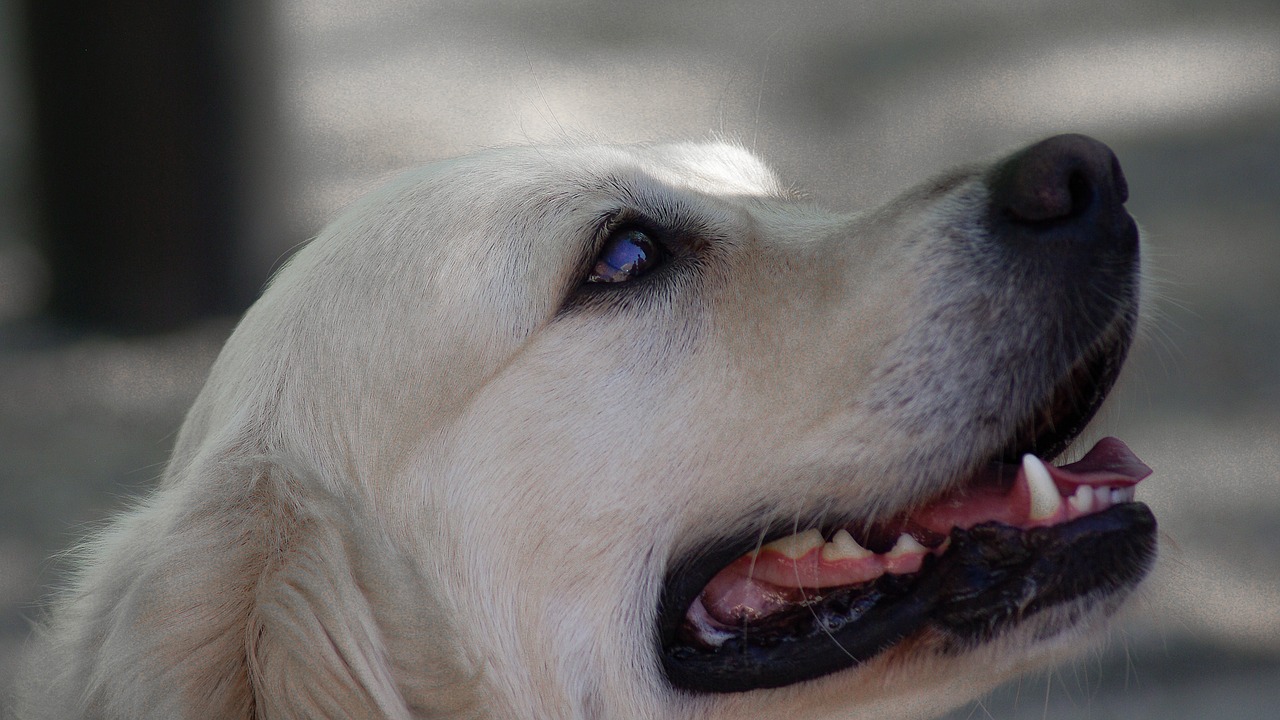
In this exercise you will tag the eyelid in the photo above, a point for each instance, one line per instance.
(608, 224)
(678, 237)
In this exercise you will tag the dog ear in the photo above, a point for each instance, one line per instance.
(153, 624)
(345, 625)
(231, 594)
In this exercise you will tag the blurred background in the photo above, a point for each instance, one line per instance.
(159, 160)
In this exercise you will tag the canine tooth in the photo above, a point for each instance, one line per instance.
(1045, 499)
(1082, 501)
(844, 547)
(906, 545)
(1117, 496)
(798, 545)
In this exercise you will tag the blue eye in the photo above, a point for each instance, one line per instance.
(627, 255)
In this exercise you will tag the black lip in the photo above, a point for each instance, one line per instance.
(992, 575)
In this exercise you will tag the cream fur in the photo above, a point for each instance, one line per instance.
(426, 479)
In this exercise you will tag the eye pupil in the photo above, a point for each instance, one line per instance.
(628, 254)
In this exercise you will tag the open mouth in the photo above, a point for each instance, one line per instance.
(1017, 537)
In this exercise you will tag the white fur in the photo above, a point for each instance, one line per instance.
(418, 484)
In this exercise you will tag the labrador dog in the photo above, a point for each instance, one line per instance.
(633, 432)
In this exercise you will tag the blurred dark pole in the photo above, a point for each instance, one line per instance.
(146, 113)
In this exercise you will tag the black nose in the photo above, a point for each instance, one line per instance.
(1068, 189)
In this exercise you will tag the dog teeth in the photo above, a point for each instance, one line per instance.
(1089, 499)
(798, 545)
(844, 547)
(1082, 501)
(1045, 499)
(1101, 498)
(906, 554)
(906, 545)
(1121, 495)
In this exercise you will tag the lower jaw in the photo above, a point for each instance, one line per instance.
(991, 578)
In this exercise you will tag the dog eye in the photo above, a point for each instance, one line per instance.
(627, 255)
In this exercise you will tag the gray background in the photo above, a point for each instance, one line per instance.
(849, 101)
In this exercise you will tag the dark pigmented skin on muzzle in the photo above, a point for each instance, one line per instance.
(992, 575)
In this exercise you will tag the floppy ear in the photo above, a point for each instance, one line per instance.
(345, 625)
(235, 594)
(153, 624)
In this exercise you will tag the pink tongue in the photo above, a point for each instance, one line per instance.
(985, 497)
(1110, 462)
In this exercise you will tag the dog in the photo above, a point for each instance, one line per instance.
(636, 432)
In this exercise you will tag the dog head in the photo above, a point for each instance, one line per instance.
(633, 432)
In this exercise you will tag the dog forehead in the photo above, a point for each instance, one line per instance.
(711, 168)
(479, 252)
(494, 211)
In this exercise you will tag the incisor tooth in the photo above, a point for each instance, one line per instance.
(1082, 501)
(906, 545)
(798, 545)
(844, 547)
(1045, 499)
(1101, 498)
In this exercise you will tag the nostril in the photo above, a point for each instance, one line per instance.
(1080, 192)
